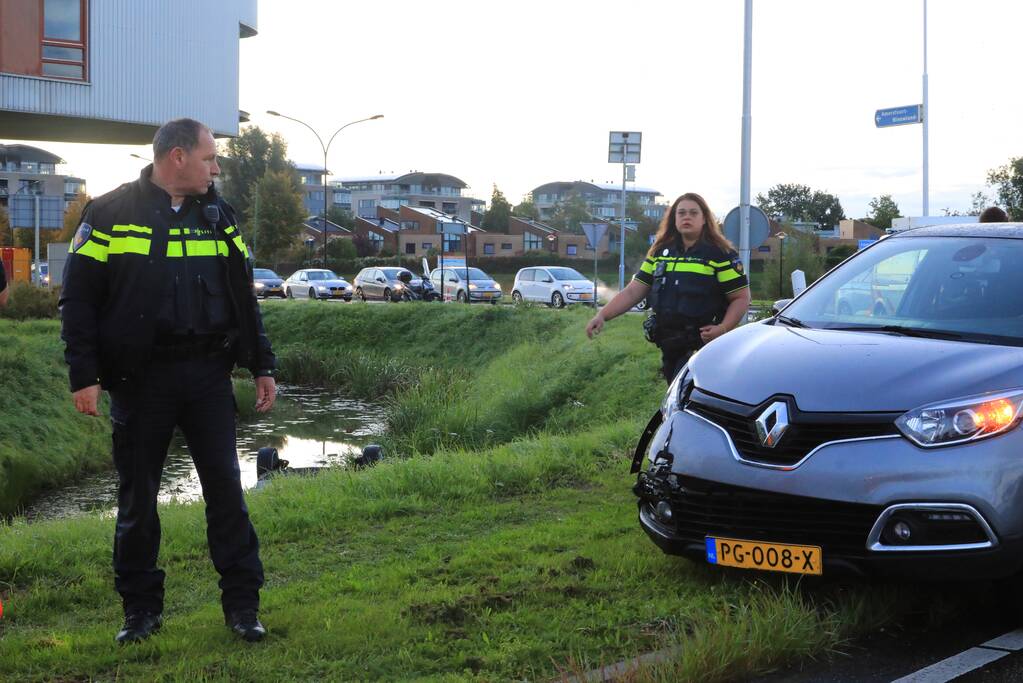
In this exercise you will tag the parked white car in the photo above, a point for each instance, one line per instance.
(554, 285)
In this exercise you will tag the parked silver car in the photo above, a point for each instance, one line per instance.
(462, 282)
(861, 438)
(266, 283)
(554, 285)
(317, 283)
(384, 283)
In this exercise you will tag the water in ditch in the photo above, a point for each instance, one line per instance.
(309, 426)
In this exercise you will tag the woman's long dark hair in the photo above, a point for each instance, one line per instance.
(667, 232)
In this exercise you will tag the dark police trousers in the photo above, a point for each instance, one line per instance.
(195, 395)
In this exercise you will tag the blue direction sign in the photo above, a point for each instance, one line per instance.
(899, 116)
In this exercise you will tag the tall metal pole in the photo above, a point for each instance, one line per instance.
(621, 243)
(324, 205)
(38, 279)
(744, 175)
(926, 115)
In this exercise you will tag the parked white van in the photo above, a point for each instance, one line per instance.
(554, 285)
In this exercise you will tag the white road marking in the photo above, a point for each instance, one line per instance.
(969, 660)
(1013, 640)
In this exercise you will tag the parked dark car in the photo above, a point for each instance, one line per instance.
(317, 283)
(859, 438)
(267, 283)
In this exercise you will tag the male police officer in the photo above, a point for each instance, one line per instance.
(157, 307)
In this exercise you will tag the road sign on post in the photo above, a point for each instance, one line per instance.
(898, 116)
(759, 226)
(594, 233)
(624, 148)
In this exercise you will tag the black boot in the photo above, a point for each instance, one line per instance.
(138, 625)
(246, 624)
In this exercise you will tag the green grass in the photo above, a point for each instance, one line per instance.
(43, 440)
(498, 541)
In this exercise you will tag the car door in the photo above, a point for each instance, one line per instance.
(544, 285)
(302, 288)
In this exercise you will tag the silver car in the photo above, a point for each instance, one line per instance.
(870, 439)
(460, 283)
(317, 283)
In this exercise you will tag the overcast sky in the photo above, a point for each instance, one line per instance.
(525, 93)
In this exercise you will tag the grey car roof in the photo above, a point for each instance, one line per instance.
(1004, 230)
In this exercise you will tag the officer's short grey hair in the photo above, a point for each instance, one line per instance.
(183, 133)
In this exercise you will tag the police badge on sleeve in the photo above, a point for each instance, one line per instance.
(737, 265)
(81, 237)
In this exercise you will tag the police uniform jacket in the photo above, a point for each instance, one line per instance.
(691, 286)
(119, 271)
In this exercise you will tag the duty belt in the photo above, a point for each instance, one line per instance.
(188, 347)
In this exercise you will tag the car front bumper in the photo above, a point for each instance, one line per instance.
(841, 498)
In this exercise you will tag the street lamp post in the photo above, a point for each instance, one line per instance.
(309, 243)
(325, 149)
(781, 264)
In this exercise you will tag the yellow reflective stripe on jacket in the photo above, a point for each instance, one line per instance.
(241, 245)
(129, 245)
(727, 275)
(197, 248)
(683, 267)
(720, 264)
(93, 250)
(647, 267)
(132, 228)
(179, 231)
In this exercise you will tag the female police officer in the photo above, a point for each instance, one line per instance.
(695, 281)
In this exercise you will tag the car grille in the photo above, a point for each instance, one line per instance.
(702, 508)
(806, 431)
(337, 290)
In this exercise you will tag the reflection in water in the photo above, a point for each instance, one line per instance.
(309, 427)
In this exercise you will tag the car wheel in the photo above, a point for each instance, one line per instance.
(348, 299)
(517, 297)
(359, 293)
(460, 297)
(288, 294)
(642, 305)
(557, 300)
(312, 293)
(844, 308)
(387, 294)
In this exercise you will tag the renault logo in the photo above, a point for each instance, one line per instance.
(772, 424)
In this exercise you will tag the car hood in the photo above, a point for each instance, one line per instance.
(578, 284)
(831, 370)
(329, 283)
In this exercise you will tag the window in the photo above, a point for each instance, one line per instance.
(449, 207)
(488, 248)
(506, 246)
(571, 249)
(316, 196)
(410, 225)
(532, 242)
(427, 246)
(410, 247)
(452, 243)
(64, 39)
(526, 275)
(376, 241)
(429, 205)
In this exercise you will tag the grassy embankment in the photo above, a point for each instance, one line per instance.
(506, 549)
(43, 441)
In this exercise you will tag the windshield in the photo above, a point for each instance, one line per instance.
(393, 273)
(565, 274)
(264, 274)
(967, 287)
(474, 274)
(322, 275)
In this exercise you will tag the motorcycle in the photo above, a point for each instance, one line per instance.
(423, 291)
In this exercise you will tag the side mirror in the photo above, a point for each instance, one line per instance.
(779, 304)
(380, 279)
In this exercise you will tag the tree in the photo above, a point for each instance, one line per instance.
(6, 237)
(800, 253)
(882, 210)
(979, 202)
(342, 217)
(570, 213)
(341, 248)
(526, 208)
(496, 217)
(280, 215)
(1007, 182)
(248, 158)
(73, 217)
(799, 203)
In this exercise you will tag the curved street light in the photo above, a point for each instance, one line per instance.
(325, 148)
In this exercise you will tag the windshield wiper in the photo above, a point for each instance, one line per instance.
(902, 330)
(791, 322)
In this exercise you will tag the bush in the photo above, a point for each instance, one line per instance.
(28, 301)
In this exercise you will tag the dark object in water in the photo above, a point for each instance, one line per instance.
(371, 455)
(267, 461)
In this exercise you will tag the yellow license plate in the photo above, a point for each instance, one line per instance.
(774, 557)
(488, 295)
(584, 296)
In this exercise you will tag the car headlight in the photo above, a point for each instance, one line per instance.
(472, 286)
(961, 420)
(672, 402)
(321, 288)
(260, 285)
(566, 287)
(497, 286)
(398, 285)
